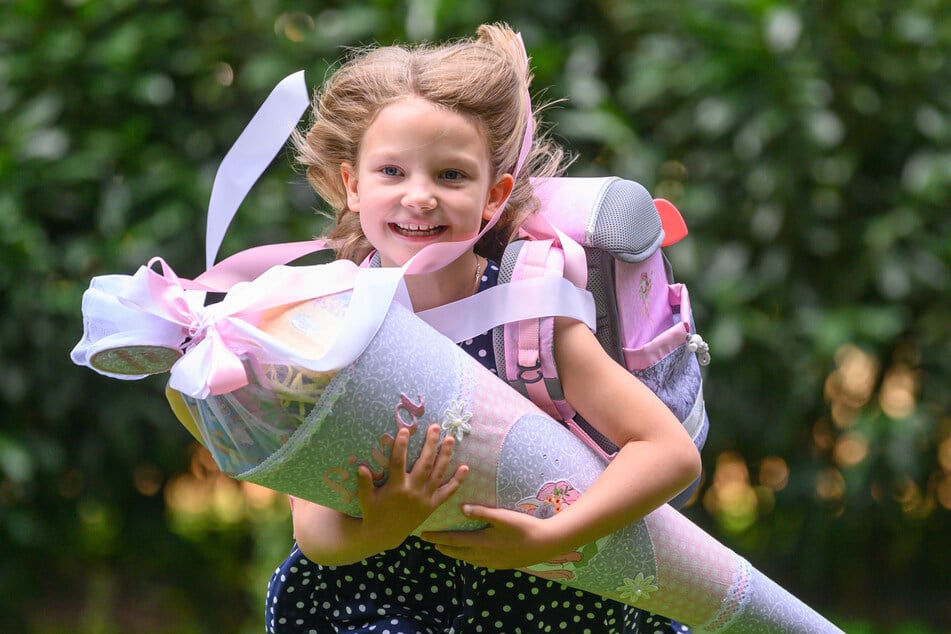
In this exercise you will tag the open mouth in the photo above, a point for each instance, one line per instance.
(417, 231)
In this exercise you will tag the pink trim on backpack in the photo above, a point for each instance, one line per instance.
(582, 435)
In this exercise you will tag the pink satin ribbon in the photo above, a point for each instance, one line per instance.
(215, 337)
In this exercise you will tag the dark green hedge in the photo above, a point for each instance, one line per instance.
(808, 145)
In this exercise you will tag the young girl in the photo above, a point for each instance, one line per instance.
(416, 146)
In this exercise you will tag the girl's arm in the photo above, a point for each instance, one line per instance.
(389, 512)
(657, 459)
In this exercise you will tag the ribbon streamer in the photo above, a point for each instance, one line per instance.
(250, 155)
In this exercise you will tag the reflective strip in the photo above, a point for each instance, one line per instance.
(694, 421)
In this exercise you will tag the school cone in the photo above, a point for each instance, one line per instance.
(305, 430)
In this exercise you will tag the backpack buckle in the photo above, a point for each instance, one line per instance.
(537, 368)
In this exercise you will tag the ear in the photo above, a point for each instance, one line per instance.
(348, 174)
(498, 193)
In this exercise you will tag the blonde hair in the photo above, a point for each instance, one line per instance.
(485, 79)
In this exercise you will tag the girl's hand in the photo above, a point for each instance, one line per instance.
(512, 540)
(391, 512)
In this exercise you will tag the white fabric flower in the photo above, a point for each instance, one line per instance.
(456, 423)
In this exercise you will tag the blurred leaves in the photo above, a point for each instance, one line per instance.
(807, 145)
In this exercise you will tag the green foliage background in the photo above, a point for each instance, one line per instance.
(808, 145)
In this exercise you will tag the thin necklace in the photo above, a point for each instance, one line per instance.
(478, 275)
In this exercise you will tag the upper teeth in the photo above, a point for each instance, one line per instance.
(417, 227)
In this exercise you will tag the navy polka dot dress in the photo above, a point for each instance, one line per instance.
(413, 589)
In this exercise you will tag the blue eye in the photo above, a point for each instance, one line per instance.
(389, 170)
(452, 175)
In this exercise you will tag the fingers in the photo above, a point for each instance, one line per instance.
(462, 554)
(428, 454)
(468, 546)
(456, 541)
(443, 458)
(445, 491)
(365, 489)
(486, 513)
(427, 473)
(435, 458)
(398, 456)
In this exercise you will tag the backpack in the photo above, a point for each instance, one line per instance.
(644, 320)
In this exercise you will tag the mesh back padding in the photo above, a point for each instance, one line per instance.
(602, 288)
(626, 223)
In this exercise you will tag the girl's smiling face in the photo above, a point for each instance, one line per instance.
(422, 176)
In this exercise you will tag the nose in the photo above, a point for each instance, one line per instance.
(419, 195)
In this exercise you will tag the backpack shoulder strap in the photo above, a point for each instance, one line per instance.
(527, 346)
(524, 350)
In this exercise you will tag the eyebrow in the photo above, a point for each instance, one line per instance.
(449, 158)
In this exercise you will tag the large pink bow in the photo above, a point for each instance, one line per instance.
(209, 365)
(158, 308)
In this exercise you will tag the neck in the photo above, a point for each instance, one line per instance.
(453, 282)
